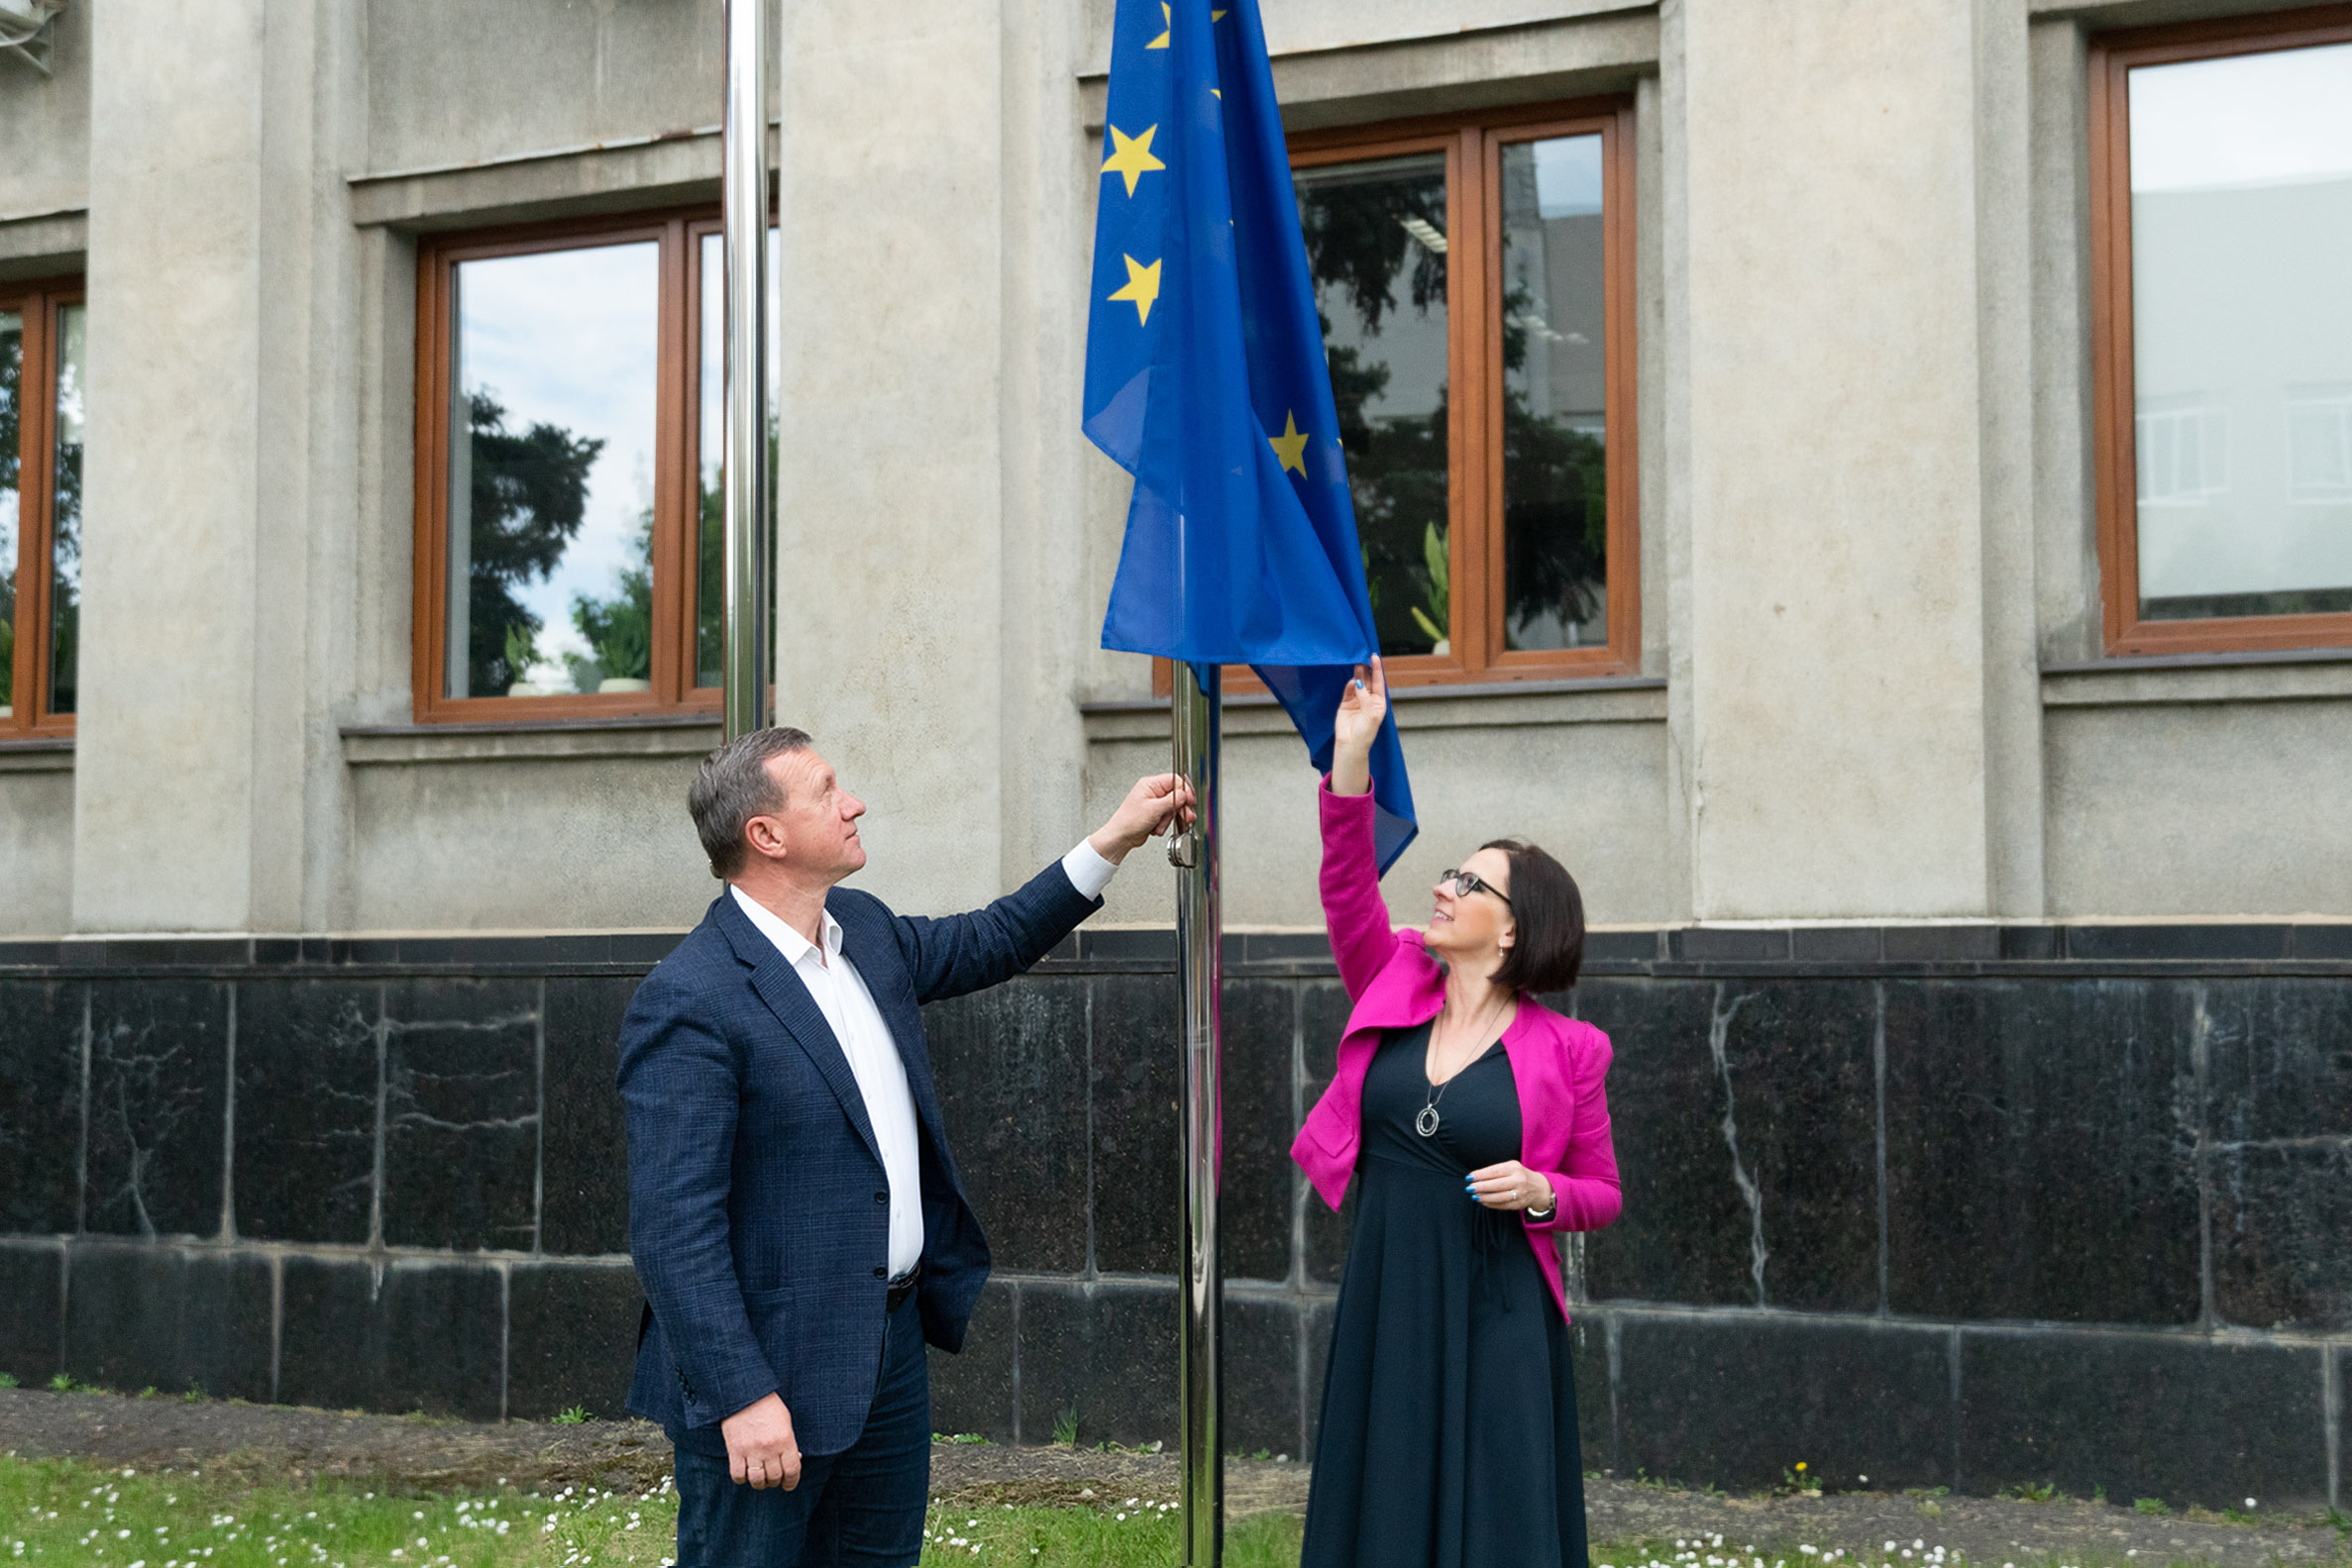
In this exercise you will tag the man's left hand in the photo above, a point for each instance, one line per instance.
(1145, 813)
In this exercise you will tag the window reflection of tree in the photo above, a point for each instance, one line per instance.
(528, 498)
(711, 549)
(1555, 515)
(1358, 251)
(711, 583)
(12, 369)
(619, 630)
(64, 582)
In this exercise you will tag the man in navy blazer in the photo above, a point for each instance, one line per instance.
(794, 1211)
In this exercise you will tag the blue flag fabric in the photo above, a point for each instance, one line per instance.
(1206, 379)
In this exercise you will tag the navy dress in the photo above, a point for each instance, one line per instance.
(1448, 1433)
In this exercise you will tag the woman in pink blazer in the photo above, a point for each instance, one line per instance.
(1475, 1118)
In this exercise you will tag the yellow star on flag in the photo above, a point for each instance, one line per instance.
(1142, 287)
(1290, 446)
(1133, 159)
(1167, 26)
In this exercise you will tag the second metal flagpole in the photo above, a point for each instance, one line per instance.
(748, 567)
(1197, 716)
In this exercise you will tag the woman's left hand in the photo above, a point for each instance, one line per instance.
(1511, 1184)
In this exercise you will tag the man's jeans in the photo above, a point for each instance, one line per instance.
(862, 1507)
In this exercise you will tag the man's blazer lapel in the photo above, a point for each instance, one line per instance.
(786, 997)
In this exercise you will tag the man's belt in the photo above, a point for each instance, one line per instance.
(901, 1287)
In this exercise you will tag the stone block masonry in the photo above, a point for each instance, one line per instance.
(1957, 1205)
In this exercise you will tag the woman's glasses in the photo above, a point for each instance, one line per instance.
(1470, 881)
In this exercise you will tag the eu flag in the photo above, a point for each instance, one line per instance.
(1206, 379)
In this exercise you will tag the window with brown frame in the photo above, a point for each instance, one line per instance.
(42, 338)
(2221, 233)
(1474, 275)
(568, 479)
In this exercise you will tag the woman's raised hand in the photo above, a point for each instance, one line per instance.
(1356, 724)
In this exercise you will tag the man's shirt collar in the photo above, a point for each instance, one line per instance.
(795, 947)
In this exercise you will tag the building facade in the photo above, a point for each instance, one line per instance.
(1868, 484)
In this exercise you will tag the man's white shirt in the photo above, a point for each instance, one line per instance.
(840, 993)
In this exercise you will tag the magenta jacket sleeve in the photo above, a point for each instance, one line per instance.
(1354, 912)
(1588, 1190)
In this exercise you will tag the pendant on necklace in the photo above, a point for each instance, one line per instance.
(1426, 1123)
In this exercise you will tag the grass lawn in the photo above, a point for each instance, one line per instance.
(57, 1512)
(54, 1511)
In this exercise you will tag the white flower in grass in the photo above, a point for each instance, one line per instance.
(2249, 1505)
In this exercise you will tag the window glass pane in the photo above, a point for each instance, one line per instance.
(2241, 234)
(710, 460)
(710, 468)
(12, 377)
(1376, 247)
(551, 472)
(65, 584)
(1556, 486)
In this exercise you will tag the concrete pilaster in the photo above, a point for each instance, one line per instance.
(889, 480)
(198, 673)
(1837, 732)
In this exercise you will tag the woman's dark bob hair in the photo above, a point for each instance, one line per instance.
(1549, 914)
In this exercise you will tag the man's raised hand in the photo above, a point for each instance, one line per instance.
(761, 1449)
(1157, 801)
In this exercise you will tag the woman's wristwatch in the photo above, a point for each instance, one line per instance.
(1548, 1210)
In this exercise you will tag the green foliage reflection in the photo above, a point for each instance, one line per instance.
(619, 630)
(1360, 252)
(527, 500)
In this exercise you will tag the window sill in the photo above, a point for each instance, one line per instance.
(658, 735)
(37, 754)
(1612, 700)
(2284, 675)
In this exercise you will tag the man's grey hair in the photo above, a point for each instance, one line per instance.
(732, 787)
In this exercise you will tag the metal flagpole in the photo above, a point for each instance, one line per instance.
(1198, 726)
(749, 568)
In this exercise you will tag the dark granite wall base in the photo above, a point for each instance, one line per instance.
(1958, 1206)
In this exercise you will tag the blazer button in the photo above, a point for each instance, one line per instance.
(882, 1198)
(881, 1274)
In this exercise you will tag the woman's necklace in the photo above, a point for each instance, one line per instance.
(1425, 1124)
